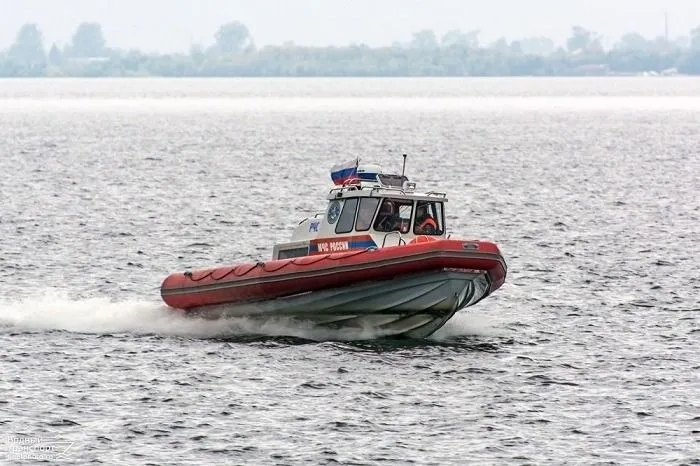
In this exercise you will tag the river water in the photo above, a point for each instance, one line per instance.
(587, 355)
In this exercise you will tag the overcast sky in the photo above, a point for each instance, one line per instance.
(173, 25)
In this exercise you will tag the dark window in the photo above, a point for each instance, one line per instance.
(368, 205)
(394, 215)
(347, 217)
(296, 252)
(429, 218)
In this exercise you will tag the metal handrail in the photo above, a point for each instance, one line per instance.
(316, 215)
(401, 240)
(392, 189)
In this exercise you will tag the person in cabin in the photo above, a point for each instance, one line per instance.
(425, 223)
(387, 218)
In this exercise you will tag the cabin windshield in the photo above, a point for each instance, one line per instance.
(365, 214)
(394, 215)
(429, 218)
(347, 216)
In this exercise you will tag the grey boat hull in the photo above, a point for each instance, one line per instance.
(413, 306)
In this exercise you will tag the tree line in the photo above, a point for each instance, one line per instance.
(456, 53)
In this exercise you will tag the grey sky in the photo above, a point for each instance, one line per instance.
(172, 25)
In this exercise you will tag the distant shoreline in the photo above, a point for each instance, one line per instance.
(455, 54)
(353, 62)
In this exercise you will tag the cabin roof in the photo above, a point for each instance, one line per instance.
(368, 180)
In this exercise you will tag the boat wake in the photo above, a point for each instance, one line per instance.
(467, 324)
(56, 310)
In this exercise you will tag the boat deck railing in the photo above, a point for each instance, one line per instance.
(409, 190)
(391, 233)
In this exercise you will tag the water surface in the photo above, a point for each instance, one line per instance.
(588, 354)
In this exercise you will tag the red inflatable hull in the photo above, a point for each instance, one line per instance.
(279, 278)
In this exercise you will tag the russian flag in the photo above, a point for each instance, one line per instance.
(342, 172)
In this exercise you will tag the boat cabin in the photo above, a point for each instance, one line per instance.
(368, 209)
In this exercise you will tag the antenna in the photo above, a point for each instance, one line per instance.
(403, 170)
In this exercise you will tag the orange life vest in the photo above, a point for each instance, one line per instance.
(426, 222)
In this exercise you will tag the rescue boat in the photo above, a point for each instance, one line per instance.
(378, 258)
